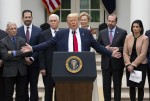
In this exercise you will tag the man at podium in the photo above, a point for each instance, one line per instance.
(72, 39)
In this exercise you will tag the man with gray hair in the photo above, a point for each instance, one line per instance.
(15, 70)
(46, 56)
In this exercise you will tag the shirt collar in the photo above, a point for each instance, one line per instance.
(30, 27)
(77, 30)
(113, 30)
(53, 30)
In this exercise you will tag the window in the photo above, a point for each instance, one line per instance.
(64, 10)
(92, 7)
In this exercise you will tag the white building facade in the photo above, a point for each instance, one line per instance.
(126, 10)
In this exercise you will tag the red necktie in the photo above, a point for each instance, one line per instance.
(110, 36)
(27, 35)
(75, 42)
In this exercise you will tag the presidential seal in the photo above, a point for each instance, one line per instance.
(74, 64)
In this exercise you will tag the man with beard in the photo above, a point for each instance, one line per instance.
(31, 34)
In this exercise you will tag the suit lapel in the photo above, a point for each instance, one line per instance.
(82, 39)
(23, 34)
(32, 34)
(106, 37)
(10, 43)
(66, 40)
(17, 43)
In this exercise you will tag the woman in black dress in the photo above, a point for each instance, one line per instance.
(134, 53)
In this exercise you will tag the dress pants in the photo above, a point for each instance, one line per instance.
(148, 74)
(133, 94)
(49, 85)
(1, 85)
(107, 76)
(19, 83)
(32, 80)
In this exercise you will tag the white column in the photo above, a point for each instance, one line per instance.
(123, 14)
(10, 11)
(140, 10)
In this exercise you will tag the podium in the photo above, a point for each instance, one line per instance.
(74, 74)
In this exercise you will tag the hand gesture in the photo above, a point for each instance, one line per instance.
(26, 48)
(116, 54)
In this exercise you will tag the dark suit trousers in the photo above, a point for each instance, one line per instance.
(116, 75)
(33, 75)
(49, 85)
(20, 83)
(148, 74)
(1, 85)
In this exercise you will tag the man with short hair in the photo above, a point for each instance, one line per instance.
(15, 70)
(63, 40)
(46, 57)
(30, 33)
(113, 39)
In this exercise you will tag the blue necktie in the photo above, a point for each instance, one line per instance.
(14, 42)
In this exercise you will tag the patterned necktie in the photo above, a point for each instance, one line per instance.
(27, 35)
(14, 42)
(75, 42)
(110, 36)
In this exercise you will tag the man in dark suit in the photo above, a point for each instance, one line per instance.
(2, 35)
(31, 34)
(148, 70)
(63, 40)
(46, 57)
(15, 70)
(113, 39)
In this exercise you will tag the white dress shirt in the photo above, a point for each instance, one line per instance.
(70, 40)
(30, 30)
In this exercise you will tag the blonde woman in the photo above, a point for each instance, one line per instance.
(84, 22)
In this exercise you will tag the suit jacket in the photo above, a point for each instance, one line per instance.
(2, 35)
(148, 53)
(34, 39)
(141, 49)
(46, 56)
(61, 42)
(118, 41)
(13, 64)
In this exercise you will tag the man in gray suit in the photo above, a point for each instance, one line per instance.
(15, 70)
(112, 38)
